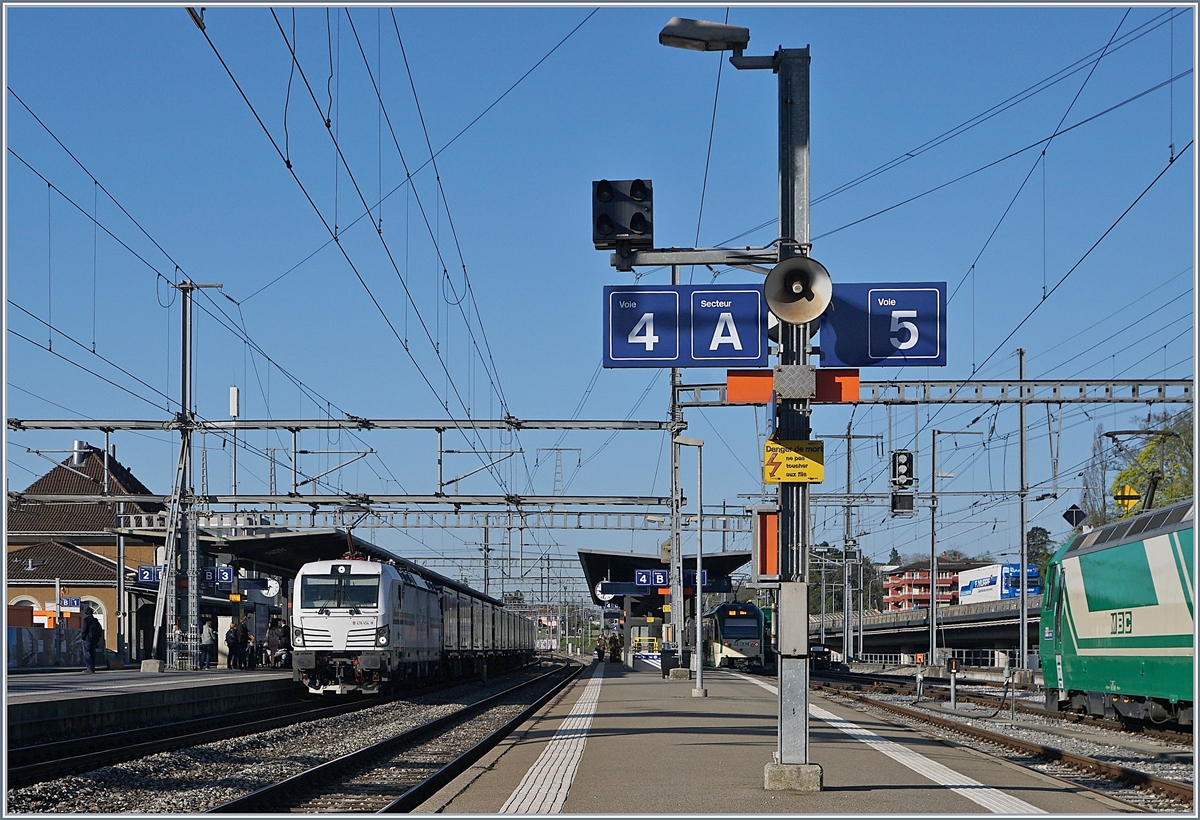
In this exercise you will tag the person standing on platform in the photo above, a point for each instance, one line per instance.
(243, 640)
(614, 647)
(93, 639)
(272, 643)
(231, 644)
(208, 644)
(600, 649)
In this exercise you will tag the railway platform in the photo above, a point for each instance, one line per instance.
(42, 706)
(626, 741)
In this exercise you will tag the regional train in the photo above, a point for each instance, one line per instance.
(733, 636)
(372, 627)
(1117, 624)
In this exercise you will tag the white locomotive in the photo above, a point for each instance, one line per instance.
(366, 626)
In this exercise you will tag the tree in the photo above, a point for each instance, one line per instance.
(1038, 548)
(1163, 451)
(894, 557)
(1165, 458)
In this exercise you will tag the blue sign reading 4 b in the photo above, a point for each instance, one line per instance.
(685, 326)
(651, 577)
(885, 325)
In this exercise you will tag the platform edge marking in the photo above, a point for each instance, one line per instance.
(991, 799)
(543, 789)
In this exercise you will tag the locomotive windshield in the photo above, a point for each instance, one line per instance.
(738, 628)
(339, 592)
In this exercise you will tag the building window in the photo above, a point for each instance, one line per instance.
(97, 607)
(24, 600)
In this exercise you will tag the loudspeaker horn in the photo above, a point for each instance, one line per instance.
(798, 290)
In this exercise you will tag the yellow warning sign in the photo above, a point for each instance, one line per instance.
(1127, 498)
(799, 462)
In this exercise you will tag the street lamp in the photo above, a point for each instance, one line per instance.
(699, 691)
(701, 35)
(791, 768)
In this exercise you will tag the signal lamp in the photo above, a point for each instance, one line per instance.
(623, 214)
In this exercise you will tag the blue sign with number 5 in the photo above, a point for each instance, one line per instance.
(885, 325)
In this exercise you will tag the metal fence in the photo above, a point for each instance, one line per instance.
(885, 659)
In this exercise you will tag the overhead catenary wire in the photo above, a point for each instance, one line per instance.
(485, 353)
(329, 229)
(420, 167)
(97, 224)
(450, 382)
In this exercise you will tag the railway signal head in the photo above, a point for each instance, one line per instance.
(623, 214)
(903, 470)
(903, 504)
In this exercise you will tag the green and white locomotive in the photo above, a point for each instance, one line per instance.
(1118, 619)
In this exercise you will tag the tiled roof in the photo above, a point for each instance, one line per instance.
(52, 560)
(76, 518)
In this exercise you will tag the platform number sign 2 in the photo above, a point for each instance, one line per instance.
(685, 326)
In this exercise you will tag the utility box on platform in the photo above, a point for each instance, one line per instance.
(793, 619)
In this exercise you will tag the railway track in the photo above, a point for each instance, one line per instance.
(401, 772)
(1173, 791)
(937, 691)
(44, 761)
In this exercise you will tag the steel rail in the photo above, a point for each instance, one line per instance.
(427, 788)
(268, 796)
(34, 764)
(1170, 788)
(940, 691)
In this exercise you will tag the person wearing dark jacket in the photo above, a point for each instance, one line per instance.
(231, 645)
(600, 647)
(243, 640)
(614, 647)
(93, 639)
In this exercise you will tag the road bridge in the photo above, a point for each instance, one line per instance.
(988, 625)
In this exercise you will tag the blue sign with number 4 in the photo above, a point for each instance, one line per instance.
(685, 326)
(885, 325)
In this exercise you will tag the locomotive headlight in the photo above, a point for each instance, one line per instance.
(381, 636)
(297, 636)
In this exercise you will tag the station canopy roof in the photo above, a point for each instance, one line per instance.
(619, 566)
(284, 552)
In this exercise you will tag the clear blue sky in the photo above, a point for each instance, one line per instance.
(141, 99)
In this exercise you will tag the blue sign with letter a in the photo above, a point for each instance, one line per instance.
(885, 325)
(685, 326)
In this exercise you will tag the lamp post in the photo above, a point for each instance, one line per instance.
(791, 768)
(933, 477)
(699, 691)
